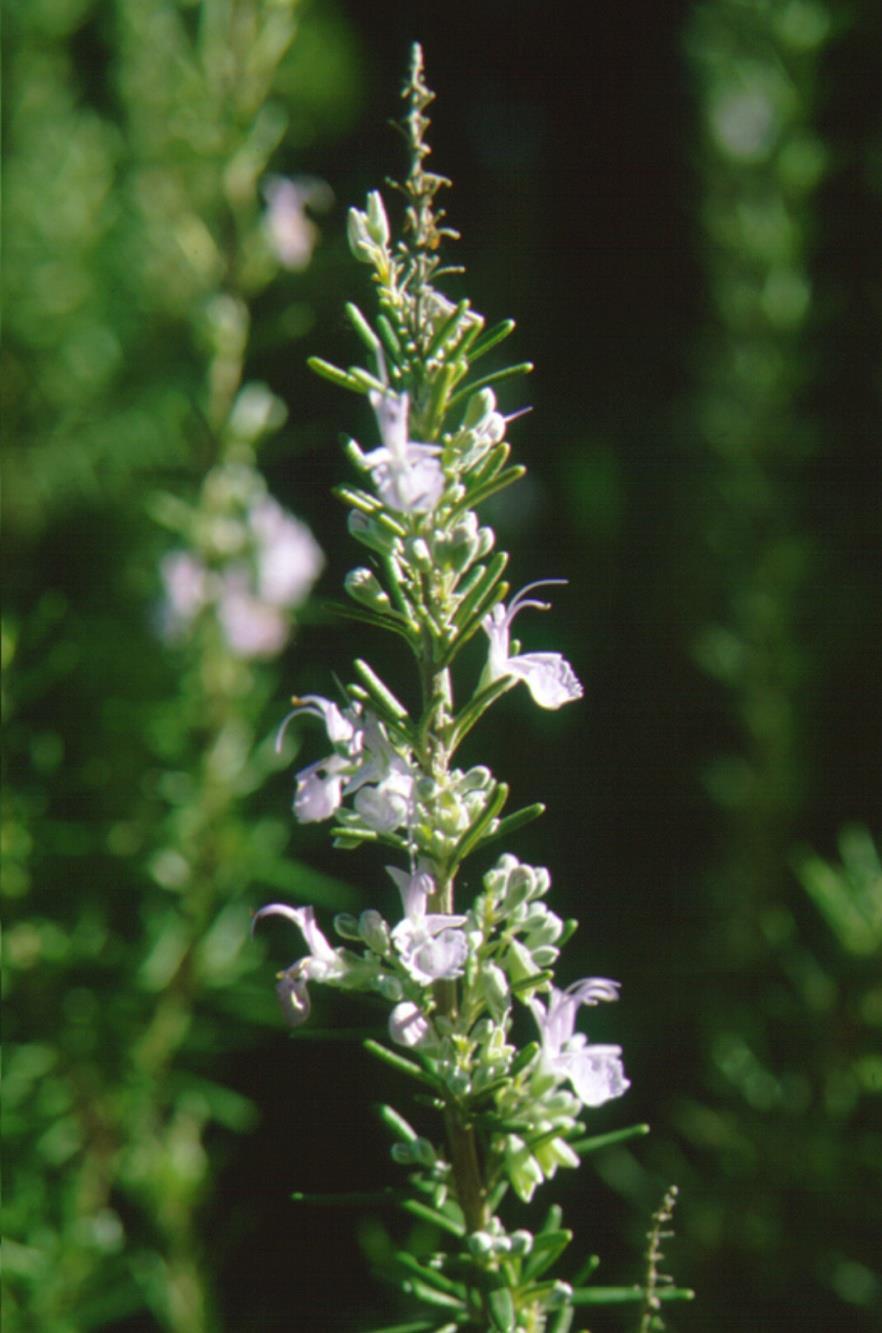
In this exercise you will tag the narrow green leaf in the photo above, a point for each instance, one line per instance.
(362, 328)
(487, 489)
(495, 377)
(597, 1141)
(442, 384)
(493, 463)
(675, 1294)
(606, 1295)
(564, 1321)
(511, 823)
(392, 620)
(430, 1296)
(492, 338)
(390, 338)
(366, 382)
(627, 1295)
(479, 591)
(382, 696)
(344, 379)
(396, 1061)
(448, 330)
(428, 1214)
(357, 499)
(474, 710)
(396, 1122)
(430, 1276)
(548, 1246)
(521, 1060)
(500, 1307)
(473, 835)
(588, 1269)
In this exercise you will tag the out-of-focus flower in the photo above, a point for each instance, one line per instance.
(274, 564)
(548, 676)
(291, 231)
(185, 581)
(289, 559)
(595, 1072)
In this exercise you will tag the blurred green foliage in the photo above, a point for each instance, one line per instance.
(139, 135)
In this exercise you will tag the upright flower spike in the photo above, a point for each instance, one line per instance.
(453, 980)
(548, 676)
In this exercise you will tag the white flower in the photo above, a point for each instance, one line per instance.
(595, 1072)
(548, 676)
(291, 232)
(322, 963)
(408, 476)
(429, 947)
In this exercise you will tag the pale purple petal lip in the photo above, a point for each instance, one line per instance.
(595, 1072)
(551, 680)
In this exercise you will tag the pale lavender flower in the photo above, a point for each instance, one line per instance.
(408, 1026)
(291, 232)
(548, 676)
(407, 475)
(251, 627)
(595, 1072)
(289, 559)
(322, 963)
(364, 764)
(429, 947)
(185, 583)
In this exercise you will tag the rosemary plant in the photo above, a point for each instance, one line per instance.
(453, 973)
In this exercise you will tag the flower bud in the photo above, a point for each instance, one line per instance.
(523, 1170)
(561, 1294)
(346, 925)
(365, 587)
(374, 931)
(494, 983)
(389, 987)
(546, 930)
(359, 238)
(521, 1243)
(480, 1244)
(370, 533)
(419, 553)
(518, 888)
(376, 220)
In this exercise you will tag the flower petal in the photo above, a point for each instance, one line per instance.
(548, 676)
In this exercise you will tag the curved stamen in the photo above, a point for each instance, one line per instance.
(520, 602)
